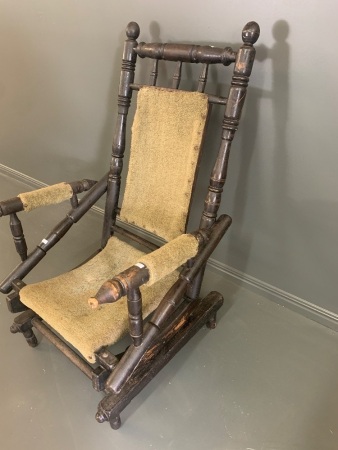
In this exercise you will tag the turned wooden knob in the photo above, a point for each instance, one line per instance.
(250, 33)
(133, 30)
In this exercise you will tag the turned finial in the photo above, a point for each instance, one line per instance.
(250, 33)
(133, 30)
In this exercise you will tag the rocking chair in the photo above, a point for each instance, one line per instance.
(85, 311)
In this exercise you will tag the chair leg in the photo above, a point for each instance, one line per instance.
(23, 324)
(114, 421)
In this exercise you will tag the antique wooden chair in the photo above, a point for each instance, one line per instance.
(84, 311)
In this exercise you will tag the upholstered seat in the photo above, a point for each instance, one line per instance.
(169, 124)
(63, 301)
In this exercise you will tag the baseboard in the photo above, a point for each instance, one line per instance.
(283, 298)
(32, 182)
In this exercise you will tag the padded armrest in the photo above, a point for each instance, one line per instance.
(150, 269)
(169, 257)
(50, 195)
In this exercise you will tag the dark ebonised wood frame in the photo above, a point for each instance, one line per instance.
(181, 312)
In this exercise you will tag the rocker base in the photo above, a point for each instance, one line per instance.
(174, 337)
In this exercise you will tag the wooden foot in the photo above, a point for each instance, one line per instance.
(170, 341)
(115, 422)
(30, 338)
(23, 324)
(212, 322)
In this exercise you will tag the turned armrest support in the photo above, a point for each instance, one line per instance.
(126, 283)
(49, 195)
(112, 290)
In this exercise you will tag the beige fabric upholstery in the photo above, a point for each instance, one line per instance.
(169, 257)
(50, 195)
(167, 135)
(62, 301)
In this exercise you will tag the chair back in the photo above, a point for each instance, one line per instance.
(168, 131)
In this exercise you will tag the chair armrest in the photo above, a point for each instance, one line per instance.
(72, 217)
(169, 257)
(49, 195)
(153, 267)
(150, 269)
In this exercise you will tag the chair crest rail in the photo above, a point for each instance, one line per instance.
(187, 53)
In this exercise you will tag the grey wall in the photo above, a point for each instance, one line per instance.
(60, 60)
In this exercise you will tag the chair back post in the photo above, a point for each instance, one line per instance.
(237, 92)
(119, 138)
(240, 79)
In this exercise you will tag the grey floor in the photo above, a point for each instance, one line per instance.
(265, 379)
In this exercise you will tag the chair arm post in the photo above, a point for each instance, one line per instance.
(122, 284)
(134, 300)
(126, 283)
(18, 236)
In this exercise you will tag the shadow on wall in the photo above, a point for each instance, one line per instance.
(279, 55)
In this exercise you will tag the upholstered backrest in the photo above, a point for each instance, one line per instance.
(167, 135)
(168, 132)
